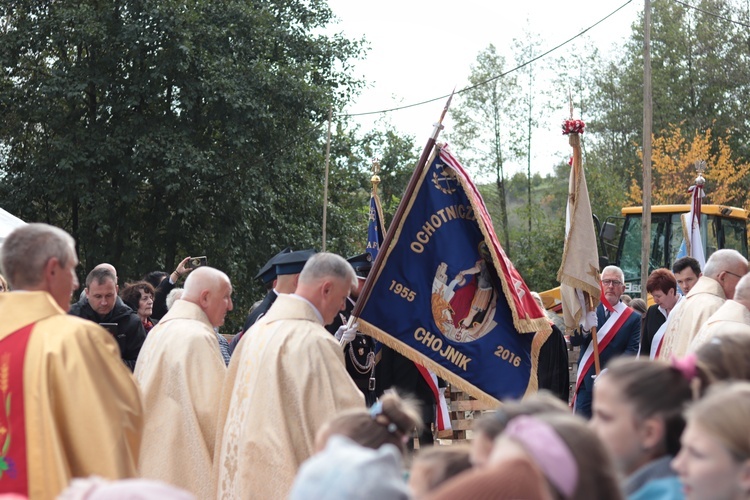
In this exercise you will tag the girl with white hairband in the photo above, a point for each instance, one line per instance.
(392, 419)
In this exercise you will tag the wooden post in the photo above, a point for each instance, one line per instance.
(647, 125)
(325, 182)
(594, 339)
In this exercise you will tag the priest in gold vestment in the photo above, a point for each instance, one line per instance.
(181, 372)
(71, 407)
(286, 379)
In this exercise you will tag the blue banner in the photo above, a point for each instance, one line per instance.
(375, 227)
(447, 297)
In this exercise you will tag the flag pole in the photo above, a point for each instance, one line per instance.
(594, 339)
(325, 182)
(410, 188)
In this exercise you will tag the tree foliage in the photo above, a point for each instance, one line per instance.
(154, 129)
(484, 123)
(674, 157)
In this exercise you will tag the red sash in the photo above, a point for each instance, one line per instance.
(602, 345)
(13, 463)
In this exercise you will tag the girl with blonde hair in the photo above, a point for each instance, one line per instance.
(714, 462)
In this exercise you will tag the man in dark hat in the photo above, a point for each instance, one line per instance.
(267, 275)
(282, 271)
(359, 354)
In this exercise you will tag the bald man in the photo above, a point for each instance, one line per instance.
(720, 277)
(181, 372)
(733, 316)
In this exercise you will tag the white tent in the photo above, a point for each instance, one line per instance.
(8, 223)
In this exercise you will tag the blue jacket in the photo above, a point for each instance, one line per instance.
(626, 341)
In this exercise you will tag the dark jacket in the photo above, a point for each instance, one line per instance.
(254, 315)
(626, 341)
(654, 320)
(130, 333)
(357, 350)
(552, 369)
(160, 299)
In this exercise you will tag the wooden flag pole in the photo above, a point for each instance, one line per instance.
(597, 366)
(325, 182)
(410, 188)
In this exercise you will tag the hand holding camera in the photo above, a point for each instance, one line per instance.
(187, 265)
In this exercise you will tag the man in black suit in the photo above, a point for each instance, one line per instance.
(359, 354)
(102, 305)
(618, 333)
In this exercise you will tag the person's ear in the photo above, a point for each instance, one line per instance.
(204, 298)
(51, 268)
(651, 433)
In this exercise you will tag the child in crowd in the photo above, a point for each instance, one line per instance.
(345, 469)
(391, 420)
(714, 462)
(637, 413)
(540, 457)
(491, 425)
(435, 465)
(724, 357)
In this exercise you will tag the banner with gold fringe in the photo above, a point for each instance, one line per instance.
(447, 297)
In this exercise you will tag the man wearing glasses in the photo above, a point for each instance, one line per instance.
(718, 283)
(618, 333)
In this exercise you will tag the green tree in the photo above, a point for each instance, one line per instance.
(350, 189)
(525, 50)
(700, 69)
(484, 123)
(154, 129)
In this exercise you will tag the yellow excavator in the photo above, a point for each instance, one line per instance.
(620, 240)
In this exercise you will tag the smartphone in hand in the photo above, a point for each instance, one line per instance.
(110, 327)
(195, 262)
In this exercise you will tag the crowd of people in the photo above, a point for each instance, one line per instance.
(135, 391)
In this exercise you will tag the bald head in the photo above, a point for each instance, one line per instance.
(742, 291)
(107, 267)
(727, 267)
(211, 290)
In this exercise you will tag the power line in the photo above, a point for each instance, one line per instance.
(712, 14)
(522, 65)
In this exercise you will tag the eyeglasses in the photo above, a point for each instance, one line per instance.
(611, 282)
(736, 275)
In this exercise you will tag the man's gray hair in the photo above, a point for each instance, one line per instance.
(616, 270)
(723, 260)
(173, 296)
(26, 251)
(327, 265)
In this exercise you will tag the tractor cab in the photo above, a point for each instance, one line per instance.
(620, 237)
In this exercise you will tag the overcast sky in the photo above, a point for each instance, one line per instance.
(420, 50)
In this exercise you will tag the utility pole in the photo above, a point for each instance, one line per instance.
(325, 181)
(647, 125)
